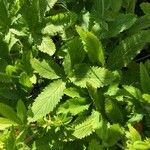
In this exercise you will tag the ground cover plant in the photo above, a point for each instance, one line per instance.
(74, 75)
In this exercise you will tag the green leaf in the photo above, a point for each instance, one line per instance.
(48, 99)
(93, 46)
(144, 79)
(130, 5)
(146, 97)
(64, 18)
(73, 92)
(128, 49)
(52, 30)
(98, 99)
(51, 3)
(109, 134)
(74, 106)
(142, 22)
(45, 69)
(8, 93)
(88, 126)
(4, 78)
(141, 145)
(11, 40)
(135, 92)
(46, 46)
(9, 113)
(95, 145)
(5, 123)
(113, 111)
(94, 96)
(3, 15)
(3, 64)
(146, 8)
(76, 54)
(99, 8)
(96, 76)
(116, 6)
(134, 135)
(25, 80)
(114, 134)
(121, 23)
(21, 111)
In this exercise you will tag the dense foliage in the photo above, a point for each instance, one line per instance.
(74, 75)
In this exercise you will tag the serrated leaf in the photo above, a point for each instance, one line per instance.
(134, 135)
(98, 99)
(5, 123)
(9, 93)
(142, 22)
(128, 49)
(25, 80)
(144, 79)
(74, 106)
(99, 8)
(52, 30)
(141, 145)
(121, 23)
(9, 113)
(3, 64)
(10, 39)
(47, 46)
(45, 69)
(146, 97)
(146, 8)
(64, 18)
(93, 46)
(48, 99)
(95, 145)
(3, 15)
(135, 92)
(51, 3)
(130, 5)
(4, 78)
(88, 126)
(75, 54)
(96, 76)
(16, 32)
(136, 118)
(116, 6)
(114, 134)
(113, 111)
(73, 92)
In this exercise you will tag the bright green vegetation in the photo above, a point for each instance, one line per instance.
(74, 75)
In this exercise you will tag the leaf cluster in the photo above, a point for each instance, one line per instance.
(74, 75)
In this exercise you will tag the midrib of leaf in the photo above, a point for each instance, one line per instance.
(96, 76)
